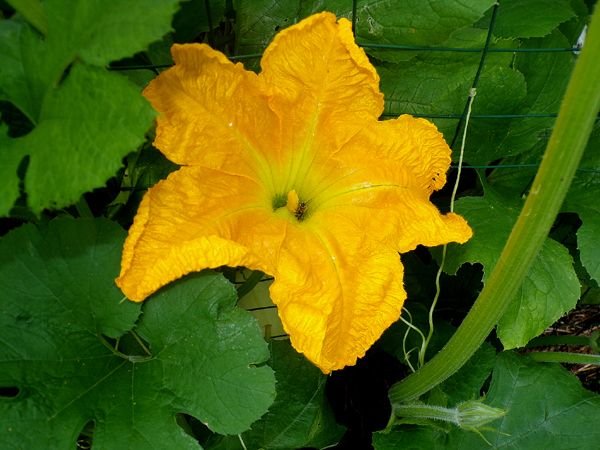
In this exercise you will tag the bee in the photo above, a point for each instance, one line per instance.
(300, 210)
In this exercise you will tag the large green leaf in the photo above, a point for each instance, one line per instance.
(546, 408)
(583, 200)
(60, 314)
(88, 124)
(196, 16)
(406, 22)
(410, 438)
(438, 84)
(551, 287)
(544, 94)
(531, 18)
(33, 12)
(300, 416)
(415, 22)
(85, 118)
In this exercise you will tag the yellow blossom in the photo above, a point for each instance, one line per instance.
(291, 173)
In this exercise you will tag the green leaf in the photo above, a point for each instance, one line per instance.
(193, 18)
(80, 158)
(33, 11)
(60, 310)
(544, 93)
(86, 119)
(467, 382)
(501, 90)
(427, 86)
(433, 85)
(551, 287)
(416, 22)
(583, 200)
(409, 438)
(195, 324)
(531, 18)
(300, 416)
(9, 162)
(100, 32)
(410, 22)
(547, 408)
(13, 81)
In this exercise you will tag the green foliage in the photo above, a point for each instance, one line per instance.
(531, 18)
(59, 81)
(377, 22)
(583, 199)
(544, 92)
(189, 366)
(299, 417)
(33, 11)
(547, 408)
(71, 349)
(551, 287)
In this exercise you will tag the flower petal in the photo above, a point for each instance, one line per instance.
(195, 219)
(319, 78)
(408, 152)
(336, 289)
(212, 112)
(389, 170)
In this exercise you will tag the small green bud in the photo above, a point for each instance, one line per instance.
(474, 414)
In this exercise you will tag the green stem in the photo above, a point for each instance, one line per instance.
(83, 208)
(249, 284)
(565, 357)
(576, 117)
(423, 411)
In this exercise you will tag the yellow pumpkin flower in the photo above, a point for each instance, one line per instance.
(290, 172)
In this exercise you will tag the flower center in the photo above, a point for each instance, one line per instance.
(292, 203)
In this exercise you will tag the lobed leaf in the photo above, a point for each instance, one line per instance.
(546, 408)
(86, 119)
(551, 287)
(300, 416)
(61, 309)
